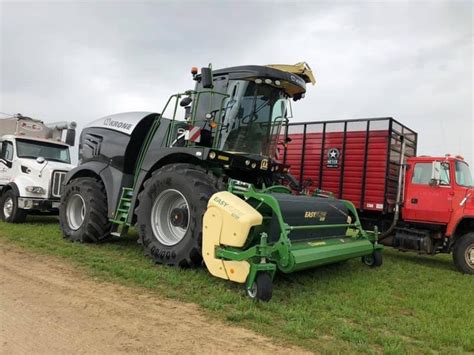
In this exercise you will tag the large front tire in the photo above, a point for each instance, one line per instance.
(463, 253)
(170, 211)
(9, 210)
(83, 211)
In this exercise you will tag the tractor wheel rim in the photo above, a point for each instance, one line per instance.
(8, 207)
(469, 255)
(170, 217)
(75, 211)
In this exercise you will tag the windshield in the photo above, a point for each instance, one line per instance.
(252, 118)
(463, 174)
(49, 151)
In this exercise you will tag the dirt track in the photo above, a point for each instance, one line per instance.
(48, 307)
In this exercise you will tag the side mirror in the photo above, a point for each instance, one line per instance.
(186, 101)
(40, 160)
(206, 78)
(435, 173)
(288, 140)
(70, 137)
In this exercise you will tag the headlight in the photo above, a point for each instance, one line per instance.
(35, 189)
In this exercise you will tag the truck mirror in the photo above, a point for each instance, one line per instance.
(70, 137)
(206, 78)
(435, 173)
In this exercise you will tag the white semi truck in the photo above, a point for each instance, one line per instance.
(34, 160)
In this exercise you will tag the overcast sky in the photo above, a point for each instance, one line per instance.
(80, 60)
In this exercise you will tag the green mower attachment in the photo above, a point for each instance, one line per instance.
(249, 234)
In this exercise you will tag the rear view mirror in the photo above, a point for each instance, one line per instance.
(186, 101)
(435, 173)
(70, 137)
(206, 78)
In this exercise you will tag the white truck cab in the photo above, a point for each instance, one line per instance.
(34, 159)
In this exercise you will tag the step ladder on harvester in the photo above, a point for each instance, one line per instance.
(125, 204)
(121, 214)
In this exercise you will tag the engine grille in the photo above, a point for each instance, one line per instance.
(57, 183)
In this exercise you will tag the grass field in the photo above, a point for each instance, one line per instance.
(412, 304)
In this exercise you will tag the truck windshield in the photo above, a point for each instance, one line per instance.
(50, 151)
(463, 174)
(252, 118)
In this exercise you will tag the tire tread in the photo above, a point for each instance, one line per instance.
(204, 185)
(97, 227)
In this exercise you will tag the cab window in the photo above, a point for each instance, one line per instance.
(444, 178)
(423, 173)
(463, 174)
(7, 151)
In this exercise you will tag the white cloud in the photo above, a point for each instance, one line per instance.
(409, 60)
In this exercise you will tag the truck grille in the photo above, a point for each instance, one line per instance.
(57, 183)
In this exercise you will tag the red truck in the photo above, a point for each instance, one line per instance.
(423, 204)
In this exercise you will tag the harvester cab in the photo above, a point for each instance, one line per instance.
(203, 185)
(250, 103)
(238, 111)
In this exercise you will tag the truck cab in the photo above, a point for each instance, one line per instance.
(438, 191)
(439, 198)
(32, 169)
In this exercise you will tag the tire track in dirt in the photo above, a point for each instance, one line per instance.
(48, 307)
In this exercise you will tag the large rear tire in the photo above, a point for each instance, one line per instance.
(463, 253)
(83, 211)
(170, 211)
(9, 210)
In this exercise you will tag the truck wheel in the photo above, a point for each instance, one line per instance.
(373, 260)
(83, 211)
(170, 211)
(463, 253)
(262, 288)
(9, 211)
